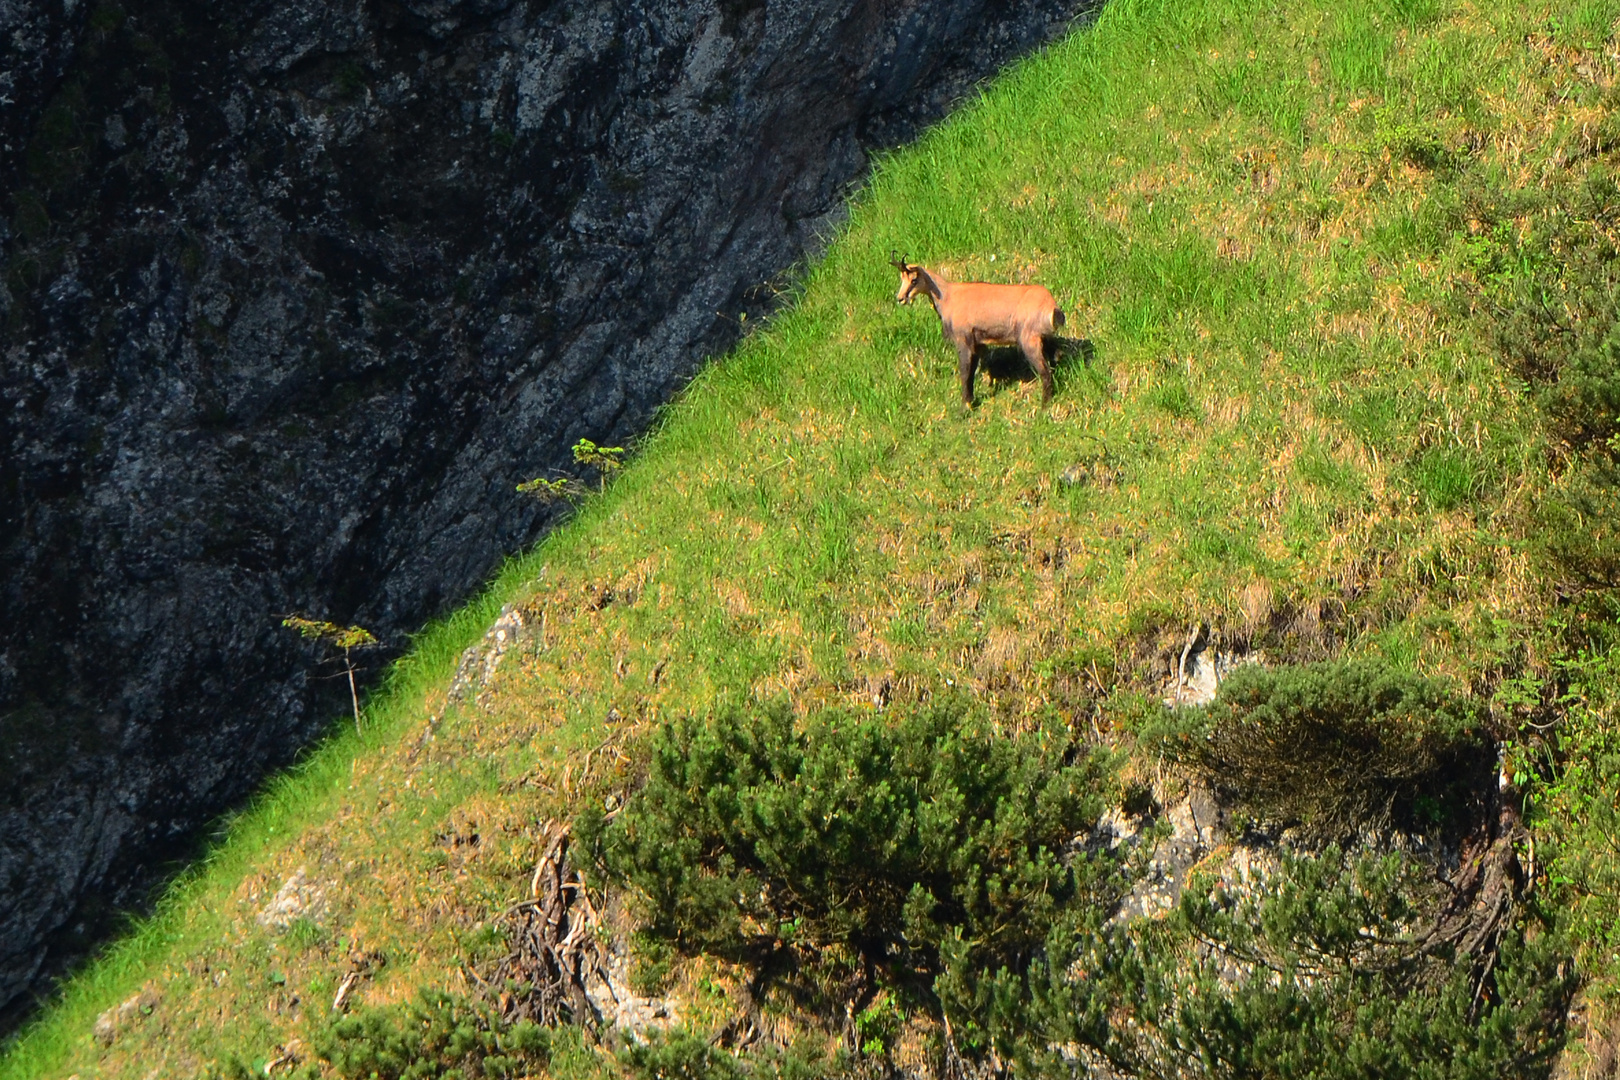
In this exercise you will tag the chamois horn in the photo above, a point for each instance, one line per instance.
(897, 260)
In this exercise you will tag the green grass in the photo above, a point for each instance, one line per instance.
(1252, 215)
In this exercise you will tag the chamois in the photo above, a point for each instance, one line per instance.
(974, 313)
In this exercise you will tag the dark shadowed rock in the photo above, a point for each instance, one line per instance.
(295, 292)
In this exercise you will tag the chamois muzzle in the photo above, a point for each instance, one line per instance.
(908, 277)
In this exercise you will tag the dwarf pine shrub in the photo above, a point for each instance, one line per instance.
(679, 1056)
(935, 858)
(1325, 970)
(1337, 746)
(855, 844)
(438, 1036)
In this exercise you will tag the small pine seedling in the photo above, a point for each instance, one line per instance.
(548, 490)
(604, 459)
(347, 638)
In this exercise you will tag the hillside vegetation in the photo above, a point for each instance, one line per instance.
(819, 689)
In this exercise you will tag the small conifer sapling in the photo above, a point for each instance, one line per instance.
(347, 638)
(548, 490)
(604, 459)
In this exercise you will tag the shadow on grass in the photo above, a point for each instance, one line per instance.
(1006, 363)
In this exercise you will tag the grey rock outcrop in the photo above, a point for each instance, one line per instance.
(295, 292)
(36, 45)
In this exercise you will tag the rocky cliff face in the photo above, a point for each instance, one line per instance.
(295, 291)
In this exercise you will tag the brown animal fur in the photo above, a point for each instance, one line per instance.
(975, 313)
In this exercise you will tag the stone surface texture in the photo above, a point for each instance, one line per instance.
(294, 294)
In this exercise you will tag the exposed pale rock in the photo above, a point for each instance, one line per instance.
(121, 1017)
(621, 1007)
(479, 662)
(298, 898)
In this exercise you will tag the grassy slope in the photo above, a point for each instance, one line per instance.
(1289, 427)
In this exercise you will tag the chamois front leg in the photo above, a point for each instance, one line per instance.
(968, 360)
(1034, 346)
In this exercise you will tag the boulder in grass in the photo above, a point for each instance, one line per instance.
(124, 1015)
(298, 898)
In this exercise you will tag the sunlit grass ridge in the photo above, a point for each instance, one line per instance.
(1278, 415)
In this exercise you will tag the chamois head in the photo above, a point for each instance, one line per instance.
(911, 279)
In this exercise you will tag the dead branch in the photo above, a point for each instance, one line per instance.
(555, 947)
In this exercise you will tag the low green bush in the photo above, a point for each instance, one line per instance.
(1322, 972)
(936, 858)
(854, 847)
(438, 1036)
(1337, 746)
(680, 1055)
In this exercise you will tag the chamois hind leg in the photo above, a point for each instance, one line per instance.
(1034, 346)
(967, 363)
